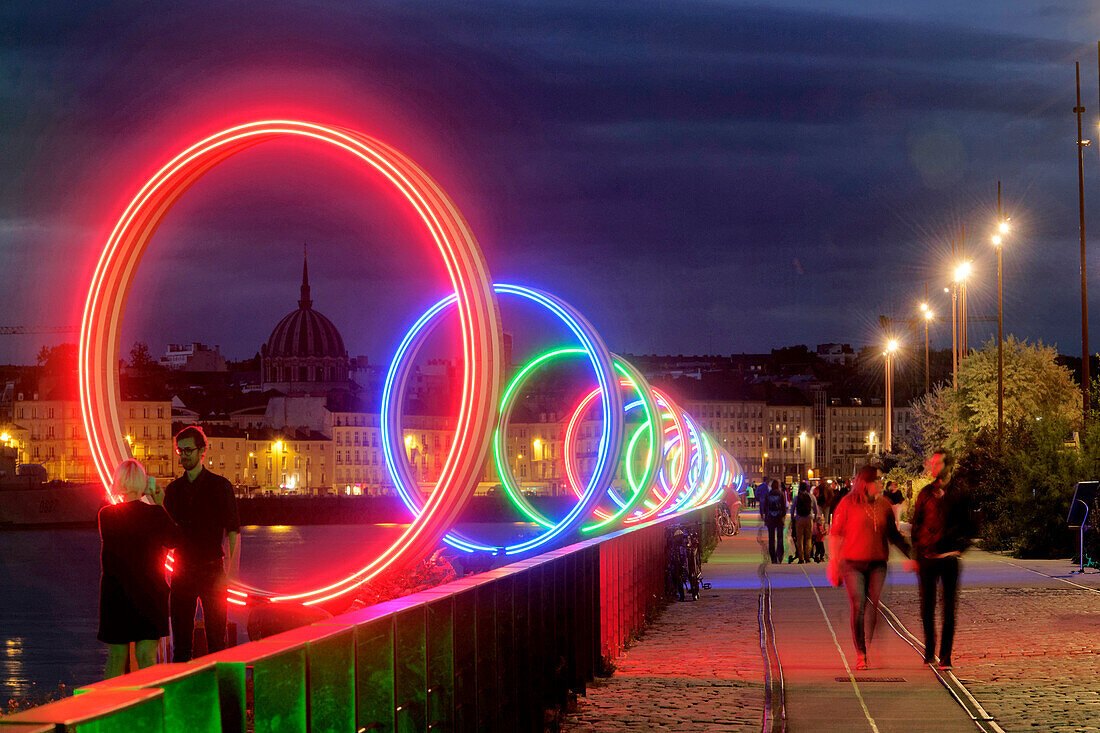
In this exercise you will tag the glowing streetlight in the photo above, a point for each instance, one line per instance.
(891, 349)
(4, 437)
(928, 316)
(958, 317)
(1002, 228)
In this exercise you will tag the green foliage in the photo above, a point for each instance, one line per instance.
(1022, 494)
(1036, 389)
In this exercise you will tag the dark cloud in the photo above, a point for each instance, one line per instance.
(695, 176)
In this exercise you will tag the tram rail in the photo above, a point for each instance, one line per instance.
(774, 719)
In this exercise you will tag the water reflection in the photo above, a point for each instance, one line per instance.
(49, 591)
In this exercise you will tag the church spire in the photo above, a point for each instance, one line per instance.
(305, 302)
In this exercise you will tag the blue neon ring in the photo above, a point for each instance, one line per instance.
(610, 443)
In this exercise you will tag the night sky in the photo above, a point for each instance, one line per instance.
(696, 177)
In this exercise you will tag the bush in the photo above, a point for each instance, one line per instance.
(1022, 497)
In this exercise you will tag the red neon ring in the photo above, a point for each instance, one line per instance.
(477, 311)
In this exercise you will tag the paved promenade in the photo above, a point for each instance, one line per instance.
(1027, 649)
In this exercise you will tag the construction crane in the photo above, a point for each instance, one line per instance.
(26, 330)
(912, 324)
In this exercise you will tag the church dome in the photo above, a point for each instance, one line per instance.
(305, 333)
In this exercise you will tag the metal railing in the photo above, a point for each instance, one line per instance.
(489, 652)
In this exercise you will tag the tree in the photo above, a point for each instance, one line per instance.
(140, 358)
(1037, 389)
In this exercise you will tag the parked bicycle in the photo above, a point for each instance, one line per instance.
(684, 573)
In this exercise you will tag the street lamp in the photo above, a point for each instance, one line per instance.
(962, 271)
(1002, 228)
(1081, 145)
(928, 315)
(891, 347)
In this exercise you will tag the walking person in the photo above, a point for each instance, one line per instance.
(761, 494)
(203, 505)
(735, 512)
(133, 594)
(859, 546)
(825, 499)
(804, 515)
(774, 511)
(942, 528)
(897, 499)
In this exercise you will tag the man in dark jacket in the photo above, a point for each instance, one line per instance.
(942, 528)
(203, 505)
(773, 507)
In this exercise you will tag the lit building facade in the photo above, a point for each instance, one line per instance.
(771, 440)
(271, 461)
(51, 433)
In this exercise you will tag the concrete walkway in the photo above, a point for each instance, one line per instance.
(701, 667)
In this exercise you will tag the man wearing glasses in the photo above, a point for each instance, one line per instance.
(203, 505)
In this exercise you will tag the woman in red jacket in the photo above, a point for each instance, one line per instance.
(859, 546)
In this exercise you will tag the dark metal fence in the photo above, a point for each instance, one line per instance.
(489, 652)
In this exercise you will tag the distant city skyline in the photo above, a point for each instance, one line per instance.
(695, 178)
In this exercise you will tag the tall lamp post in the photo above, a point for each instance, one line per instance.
(962, 271)
(1081, 145)
(1002, 229)
(928, 315)
(887, 438)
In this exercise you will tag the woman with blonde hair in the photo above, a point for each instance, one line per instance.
(859, 546)
(133, 593)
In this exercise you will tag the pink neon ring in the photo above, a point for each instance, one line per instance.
(477, 310)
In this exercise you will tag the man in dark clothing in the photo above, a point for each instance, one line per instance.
(774, 510)
(203, 505)
(942, 528)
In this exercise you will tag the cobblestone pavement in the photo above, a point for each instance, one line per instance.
(678, 679)
(1027, 647)
(1030, 654)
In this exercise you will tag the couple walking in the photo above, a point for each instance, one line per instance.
(863, 527)
(192, 515)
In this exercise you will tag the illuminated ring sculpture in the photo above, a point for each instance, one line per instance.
(632, 378)
(477, 311)
(697, 465)
(659, 503)
(610, 444)
(604, 472)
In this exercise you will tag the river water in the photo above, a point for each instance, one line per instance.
(49, 591)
